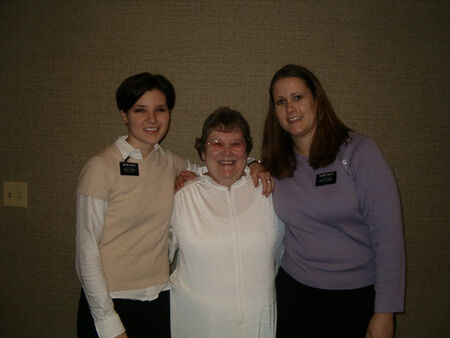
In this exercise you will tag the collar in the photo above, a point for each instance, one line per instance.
(203, 174)
(127, 149)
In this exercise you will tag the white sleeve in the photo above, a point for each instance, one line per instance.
(192, 167)
(88, 263)
(173, 245)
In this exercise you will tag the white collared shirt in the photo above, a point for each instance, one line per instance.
(90, 222)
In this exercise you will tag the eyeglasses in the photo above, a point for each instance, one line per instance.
(218, 145)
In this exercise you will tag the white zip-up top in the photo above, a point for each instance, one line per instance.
(230, 245)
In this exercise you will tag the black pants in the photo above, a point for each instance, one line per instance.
(306, 312)
(140, 318)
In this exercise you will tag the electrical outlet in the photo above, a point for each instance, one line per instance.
(15, 194)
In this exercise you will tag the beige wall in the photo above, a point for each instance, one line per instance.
(383, 63)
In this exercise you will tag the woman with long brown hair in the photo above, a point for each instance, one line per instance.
(342, 273)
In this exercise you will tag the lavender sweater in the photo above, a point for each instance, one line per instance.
(347, 234)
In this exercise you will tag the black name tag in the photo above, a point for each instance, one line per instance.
(129, 169)
(326, 178)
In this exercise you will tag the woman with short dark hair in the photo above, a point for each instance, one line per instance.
(124, 202)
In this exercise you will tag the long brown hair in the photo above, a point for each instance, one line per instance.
(278, 155)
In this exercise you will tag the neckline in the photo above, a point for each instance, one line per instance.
(235, 185)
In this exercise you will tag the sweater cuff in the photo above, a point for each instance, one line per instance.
(387, 302)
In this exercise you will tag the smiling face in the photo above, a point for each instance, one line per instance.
(148, 120)
(225, 156)
(296, 110)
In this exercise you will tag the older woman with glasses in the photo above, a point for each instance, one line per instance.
(228, 239)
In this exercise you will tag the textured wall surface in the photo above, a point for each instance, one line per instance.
(384, 64)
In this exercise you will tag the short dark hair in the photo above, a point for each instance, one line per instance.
(133, 87)
(278, 156)
(226, 120)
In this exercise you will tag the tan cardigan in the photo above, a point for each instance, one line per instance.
(134, 243)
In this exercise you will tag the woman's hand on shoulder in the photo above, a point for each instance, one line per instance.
(184, 176)
(257, 173)
(122, 335)
(381, 325)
